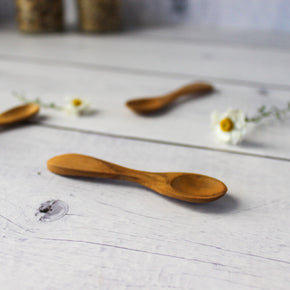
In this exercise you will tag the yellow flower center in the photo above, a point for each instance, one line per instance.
(77, 102)
(227, 125)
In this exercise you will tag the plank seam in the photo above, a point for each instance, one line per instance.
(207, 148)
(139, 71)
(203, 41)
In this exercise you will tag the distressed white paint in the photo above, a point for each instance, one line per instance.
(123, 236)
(186, 123)
(154, 56)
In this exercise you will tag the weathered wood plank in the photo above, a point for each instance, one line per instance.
(264, 40)
(151, 56)
(187, 123)
(121, 235)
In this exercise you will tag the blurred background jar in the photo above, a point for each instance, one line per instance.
(99, 15)
(40, 15)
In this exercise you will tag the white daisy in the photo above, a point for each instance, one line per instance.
(76, 106)
(229, 127)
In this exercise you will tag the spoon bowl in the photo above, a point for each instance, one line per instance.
(18, 114)
(149, 105)
(178, 185)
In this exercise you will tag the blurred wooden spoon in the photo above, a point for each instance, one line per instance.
(148, 105)
(18, 114)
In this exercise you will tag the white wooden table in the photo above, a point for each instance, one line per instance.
(118, 235)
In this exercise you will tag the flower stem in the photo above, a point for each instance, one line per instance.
(23, 99)
(264, 113)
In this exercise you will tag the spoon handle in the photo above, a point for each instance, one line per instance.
(200, 88)
(86, 166)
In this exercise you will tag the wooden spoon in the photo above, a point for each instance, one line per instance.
(184, 186)
(148, 105)
(18, 114)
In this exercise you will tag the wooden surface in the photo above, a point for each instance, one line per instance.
(117, 235)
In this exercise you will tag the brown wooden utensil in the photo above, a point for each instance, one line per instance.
(183, 186)
(18, 114)
(148, 105)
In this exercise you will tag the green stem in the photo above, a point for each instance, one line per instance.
(37, 101)
(263, 113)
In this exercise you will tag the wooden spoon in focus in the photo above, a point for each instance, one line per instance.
(148, 105)
(183, 186)
(18, 114)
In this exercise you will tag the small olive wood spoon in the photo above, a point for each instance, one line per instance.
(183, 186)
(148, 105)
(18, 114)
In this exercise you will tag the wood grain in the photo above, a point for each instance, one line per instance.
(154, 57)
(122, 236)
(187, 124)
(116, 235)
